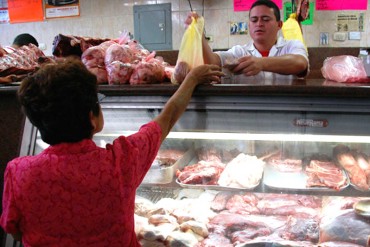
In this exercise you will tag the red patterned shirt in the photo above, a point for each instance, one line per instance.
(78, 194)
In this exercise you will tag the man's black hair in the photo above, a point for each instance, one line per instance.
(25, 39)
(270, 4)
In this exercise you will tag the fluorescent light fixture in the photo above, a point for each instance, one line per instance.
(257, 137)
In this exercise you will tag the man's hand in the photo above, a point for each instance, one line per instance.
(248, 66)
(189, 18)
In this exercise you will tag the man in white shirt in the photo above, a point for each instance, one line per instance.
(266, 56)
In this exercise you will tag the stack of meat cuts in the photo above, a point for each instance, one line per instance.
(325, 174)
(20, 62)
(356, 164)
(263, 218)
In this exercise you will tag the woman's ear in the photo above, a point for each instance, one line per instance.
(97, 122)
(93, 121)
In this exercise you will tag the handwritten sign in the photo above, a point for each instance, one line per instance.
(341, 5)
(4, 15)
(72, 8)
(244, 5)
(25, 10)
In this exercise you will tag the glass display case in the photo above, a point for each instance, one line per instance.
(252, 170)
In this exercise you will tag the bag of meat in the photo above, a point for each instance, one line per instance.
(148, 72)
(190, 52)
(93, 58)
(119, 72)
(344, 68)
(118, 59)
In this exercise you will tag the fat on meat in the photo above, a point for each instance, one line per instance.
(244, 171)
(215, 240)
(182, 239)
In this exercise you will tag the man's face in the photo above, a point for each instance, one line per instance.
(263, 26)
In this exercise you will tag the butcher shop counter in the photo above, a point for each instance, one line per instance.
(264, 163)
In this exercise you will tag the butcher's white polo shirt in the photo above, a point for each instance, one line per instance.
(282, 47)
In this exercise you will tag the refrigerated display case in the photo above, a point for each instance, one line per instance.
(278, 127)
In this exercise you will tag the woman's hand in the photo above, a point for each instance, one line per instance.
(205, 74)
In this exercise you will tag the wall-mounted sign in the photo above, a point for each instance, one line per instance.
(245, 5)
(341, 5)
(4, 15)
(25, 11)
(61, 8)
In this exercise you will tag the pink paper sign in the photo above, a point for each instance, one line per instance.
(341, 5)
(244, 5)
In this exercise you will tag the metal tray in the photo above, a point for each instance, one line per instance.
(165, 175)
(275, 179)
(214, 187)
(357, 188)
(195, 160)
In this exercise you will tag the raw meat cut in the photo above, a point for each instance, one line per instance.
(203, 172)
(244, 171)
(344, 226)
(325, 174)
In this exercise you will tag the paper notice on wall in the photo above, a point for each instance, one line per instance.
(59, 9)
(244, 5)
(341, 5)
(349, 22)
(25, 11)
(4, 15)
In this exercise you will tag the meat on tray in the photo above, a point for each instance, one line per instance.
(167, 157)
(286, 165)
(325, 174)
(203, 172)
(356, 166)
(340, 223)
(244, 171)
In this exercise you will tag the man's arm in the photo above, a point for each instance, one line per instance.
(290, 64)
(209, 56)
(177, 104)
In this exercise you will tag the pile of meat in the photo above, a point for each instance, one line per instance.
(168, 157)
(22, 61)
(232, 219)
(325, 174)
(263, 218)
(171, 222)
(339, 223)
(242, 171)
(116, 61)
(356, 164)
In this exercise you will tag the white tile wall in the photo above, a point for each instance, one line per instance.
(108, 18)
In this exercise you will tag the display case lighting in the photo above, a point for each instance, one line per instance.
(258, 137)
